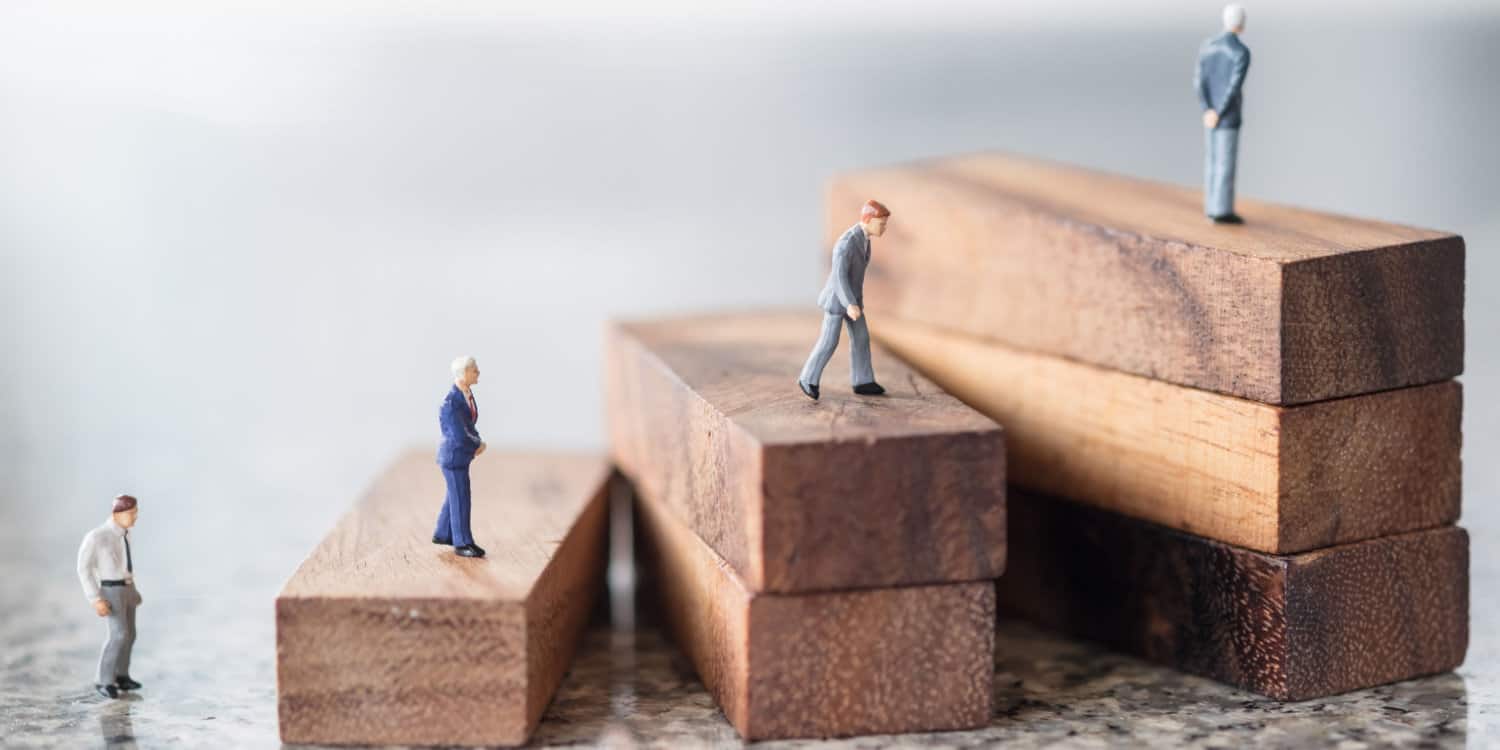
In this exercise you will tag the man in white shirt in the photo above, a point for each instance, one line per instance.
(107, 571)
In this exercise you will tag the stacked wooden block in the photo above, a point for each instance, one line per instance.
(1233, 449)
(383, 638)
(827, 566)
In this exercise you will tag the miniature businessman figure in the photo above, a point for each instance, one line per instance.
(458, 418)
(1222, 63)
(107, 571)
(842, 301)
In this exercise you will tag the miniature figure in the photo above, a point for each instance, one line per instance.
(458, 418)
(1222, 63)
(842, 301)
(107, 572)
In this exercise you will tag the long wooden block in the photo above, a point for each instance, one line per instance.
(385, 638)
(1291, 627)
(848, 492)
(875, 661)
(1291, 307)
(1270, 478)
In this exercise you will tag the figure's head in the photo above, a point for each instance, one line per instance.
(873, 217)
(125, 509)
(1234, 17)
(465, 371)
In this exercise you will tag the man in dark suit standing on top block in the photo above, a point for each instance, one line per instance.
(1222, 64)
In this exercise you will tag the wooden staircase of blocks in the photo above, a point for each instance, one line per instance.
(1231, 450)
(1235, 450)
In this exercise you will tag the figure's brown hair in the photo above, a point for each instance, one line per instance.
(873, 209)
(123, 503)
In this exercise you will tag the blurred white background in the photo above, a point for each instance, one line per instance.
(239, 245)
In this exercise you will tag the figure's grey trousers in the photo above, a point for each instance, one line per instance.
(860, 370)
(1221, 145)
(114, 659)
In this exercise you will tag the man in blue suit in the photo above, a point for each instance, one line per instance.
(458, 418)
(1222, 64)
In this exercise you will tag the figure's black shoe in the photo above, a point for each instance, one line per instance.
(439, 540)
(125, 683)
(871, 388)
(1228, 219)
(469, 550)
(108, 691)
(810, 390)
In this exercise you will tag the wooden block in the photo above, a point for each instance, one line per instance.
(875, 661)
(1270, 478)
(384, 638)
(1293, 306)
(848, 492)
(1291, 627)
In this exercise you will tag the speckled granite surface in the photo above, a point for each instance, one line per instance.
(207, 663)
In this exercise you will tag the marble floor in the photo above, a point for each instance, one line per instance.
(208, 667)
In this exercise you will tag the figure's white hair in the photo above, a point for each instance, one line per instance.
(460, 364)
(1234, 16)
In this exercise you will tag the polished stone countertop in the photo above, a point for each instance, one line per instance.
(206, 655)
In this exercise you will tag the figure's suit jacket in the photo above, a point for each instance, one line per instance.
(460, 436)
(1222, 64)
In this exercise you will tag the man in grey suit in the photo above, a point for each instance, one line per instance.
(842, 301)
(1222, 63)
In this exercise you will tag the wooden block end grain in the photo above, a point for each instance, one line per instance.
(385, 638)
(1293, 306)
(847, 492)
(1292, 627)
(905, 659)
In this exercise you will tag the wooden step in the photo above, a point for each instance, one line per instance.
(847, 492)
(1291, 307)
(1291, 627)
(384, 638)
(1270, 478)
(874, 661)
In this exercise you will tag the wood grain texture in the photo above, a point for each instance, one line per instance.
(1291, 307)
(1291, 627)
(1270, 478)
(875, 661)
(385, 638)
(848, 492)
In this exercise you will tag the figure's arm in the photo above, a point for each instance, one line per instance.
(452, 432)
(841, 272)
(470, 430)
(1236, 79)
(1201, 86)
(86, 573)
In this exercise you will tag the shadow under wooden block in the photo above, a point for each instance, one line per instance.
(848, 492)
(1291, 627)
(1291, 307)
(1278, 479)
(384, 638)
(830, 664)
